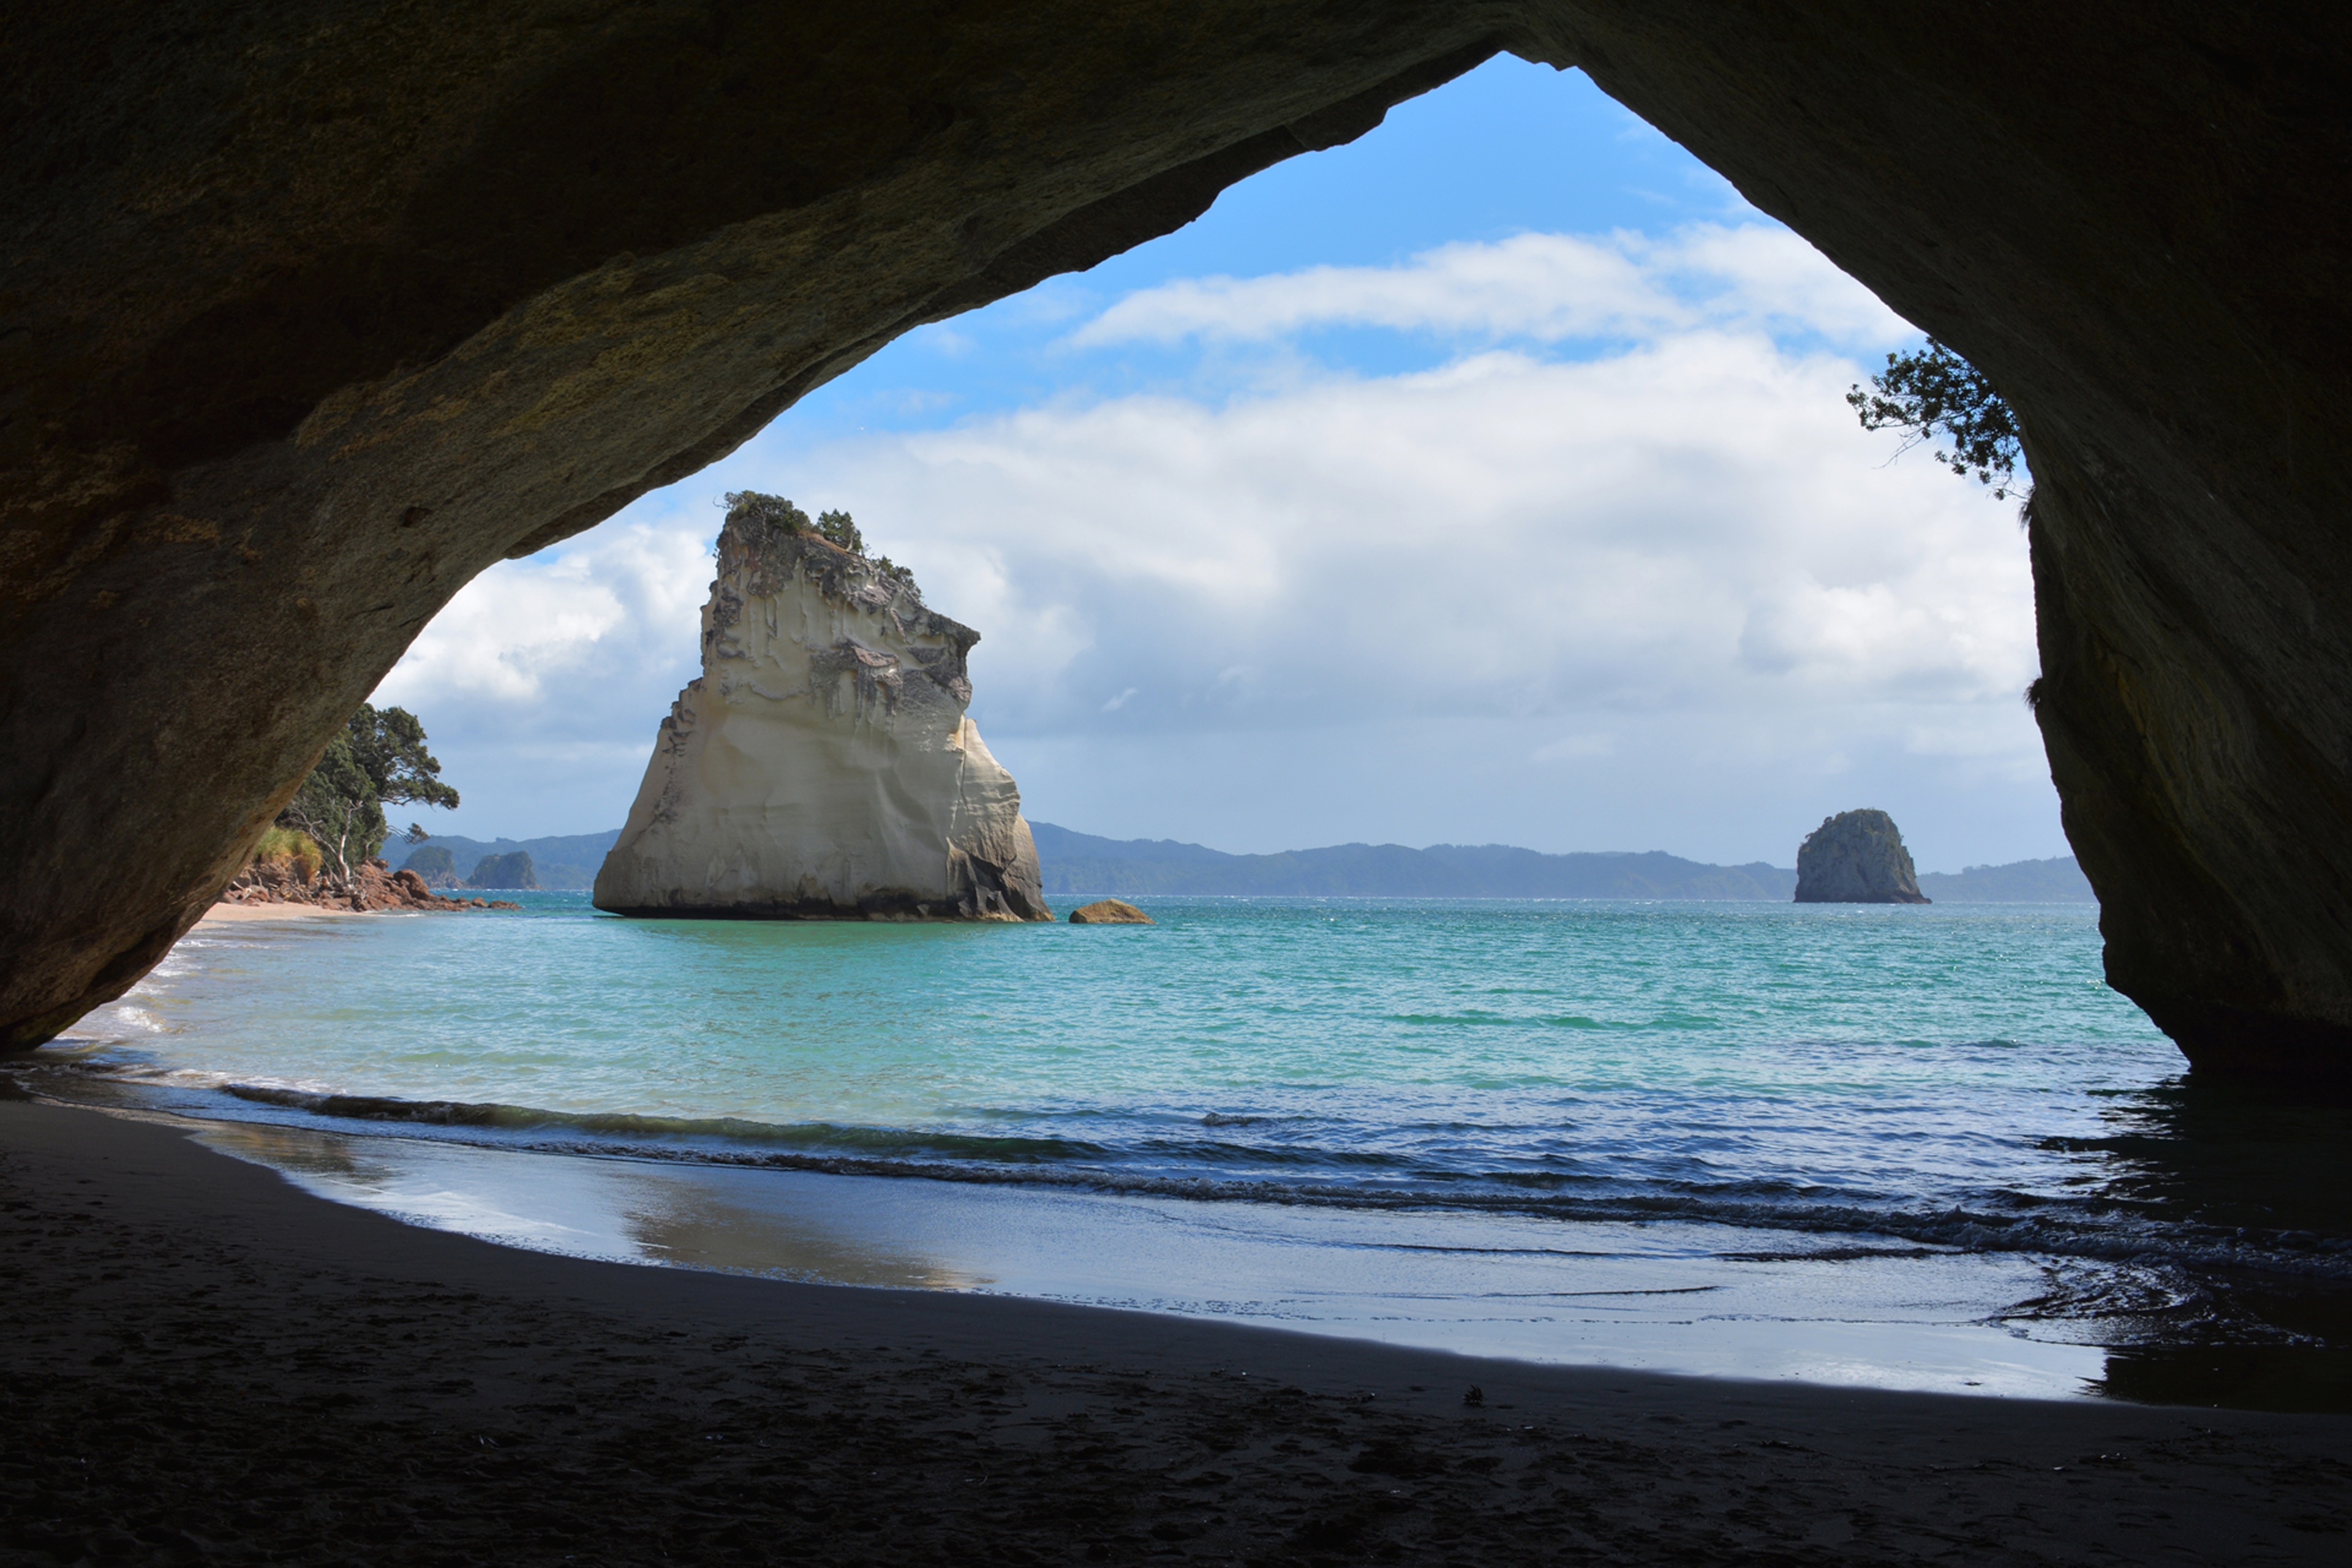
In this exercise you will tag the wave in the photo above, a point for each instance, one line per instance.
(876, 1141)
(2100, 1227)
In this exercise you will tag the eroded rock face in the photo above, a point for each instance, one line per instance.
(314, 315)
(823, 767)
(1856, 858)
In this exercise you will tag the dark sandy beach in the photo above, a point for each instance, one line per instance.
(203, 1363)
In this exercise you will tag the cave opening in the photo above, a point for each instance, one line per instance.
(1192, 498)
(292, 363)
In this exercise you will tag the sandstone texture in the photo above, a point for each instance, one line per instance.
(823, 767)
(1856, 858)
(315, 314)
(1109, 912)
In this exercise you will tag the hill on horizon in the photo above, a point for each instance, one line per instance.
(1082, 863)
(1077, 863)
(566, 861)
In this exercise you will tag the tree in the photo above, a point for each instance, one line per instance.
(377, 758)
(750, 506)
(833, 527)
(837, 527)
(1933, 393)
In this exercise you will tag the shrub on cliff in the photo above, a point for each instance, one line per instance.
(1933, 393)
(378, 759)
(750, 506)
(294, 851)
(833, 527)
(837, 527)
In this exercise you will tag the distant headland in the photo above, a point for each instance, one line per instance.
(1076, 863)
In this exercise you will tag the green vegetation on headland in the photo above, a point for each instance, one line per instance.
(833, 527)
(378, 759)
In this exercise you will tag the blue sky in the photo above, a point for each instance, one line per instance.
(1486, 481)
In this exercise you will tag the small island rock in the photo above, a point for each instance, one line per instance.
(1856, 858)
(1109, 912)
(435, 867)
(513, 870)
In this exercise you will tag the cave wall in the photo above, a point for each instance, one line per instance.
(314, 312)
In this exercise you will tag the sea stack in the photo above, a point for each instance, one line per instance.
(1856, 858)
(823, 766)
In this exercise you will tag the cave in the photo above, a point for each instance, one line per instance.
(313, 316)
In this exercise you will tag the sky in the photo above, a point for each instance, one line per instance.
(1489, 479)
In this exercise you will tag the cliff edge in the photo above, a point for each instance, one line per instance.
(823, 766)
(1856, 858)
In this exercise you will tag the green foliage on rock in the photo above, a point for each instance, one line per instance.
(377, 758)
(294, 851)
(1932, 393)
(513, 870)
(750, 506)
(836, 527)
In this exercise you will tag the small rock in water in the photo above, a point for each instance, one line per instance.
(1109, 912)
(1856, 858)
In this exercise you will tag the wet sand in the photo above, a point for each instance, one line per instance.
(203, 1363)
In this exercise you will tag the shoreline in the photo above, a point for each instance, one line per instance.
(205, 1336)
(1828, 1298)
(285, 911)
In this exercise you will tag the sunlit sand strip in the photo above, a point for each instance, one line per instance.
(279, 913)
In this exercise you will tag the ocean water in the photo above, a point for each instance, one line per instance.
(1919, 1147)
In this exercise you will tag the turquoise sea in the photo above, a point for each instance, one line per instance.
(1917, 1147)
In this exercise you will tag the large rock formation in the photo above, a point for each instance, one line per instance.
(1856, 858)
(823, 766)
(314, 314)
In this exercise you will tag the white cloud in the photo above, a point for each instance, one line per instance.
(515, 634)
(1548, 288)
(1667, 580)
(1692, 523)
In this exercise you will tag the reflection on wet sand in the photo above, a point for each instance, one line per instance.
(582, 1206)
(2243, 1166)
(1658, 1295)
(673, 1222)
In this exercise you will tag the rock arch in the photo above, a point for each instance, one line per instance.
(310, 316)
